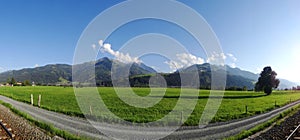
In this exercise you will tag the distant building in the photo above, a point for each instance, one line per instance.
(19, 84)
(296, 88)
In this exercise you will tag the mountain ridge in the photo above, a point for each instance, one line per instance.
(52, 73)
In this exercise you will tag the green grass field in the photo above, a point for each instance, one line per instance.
(63, 100)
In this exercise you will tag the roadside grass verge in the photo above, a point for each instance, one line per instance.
(274, 121)
(50, 129)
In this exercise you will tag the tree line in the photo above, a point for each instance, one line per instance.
(13, 82)
(296, 88)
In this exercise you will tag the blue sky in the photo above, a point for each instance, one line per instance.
(252, 33)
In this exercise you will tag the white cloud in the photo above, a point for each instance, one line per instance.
(232, 57)
(189, 59)
(94, 47)
(173, 65)
(125, 58)
(232, 60)
(222, 58)
(100, 42)
(2, 69)
(184, 60)
(217, 58)
(233, 65)
(36, 65)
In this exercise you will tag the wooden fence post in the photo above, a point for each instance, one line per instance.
(40, 98)
(91, 111)
(31, 99)
(181, 117)
(246, 108)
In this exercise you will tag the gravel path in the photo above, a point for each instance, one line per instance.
(21, 128)
(82, 127)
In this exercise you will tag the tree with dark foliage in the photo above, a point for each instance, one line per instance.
(267, 81)
(12, 81)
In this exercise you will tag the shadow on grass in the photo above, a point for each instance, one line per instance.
(206, 97)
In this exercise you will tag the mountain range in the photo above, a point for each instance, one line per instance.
(139, 74)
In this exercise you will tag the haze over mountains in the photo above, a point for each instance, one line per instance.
(139, 74)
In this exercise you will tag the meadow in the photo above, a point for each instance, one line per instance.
(233, 106)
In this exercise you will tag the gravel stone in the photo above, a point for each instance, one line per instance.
(282, 131)
(21, 128)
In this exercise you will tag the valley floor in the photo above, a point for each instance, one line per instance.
(82, 127)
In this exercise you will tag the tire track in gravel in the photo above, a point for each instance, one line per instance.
(80, 126)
